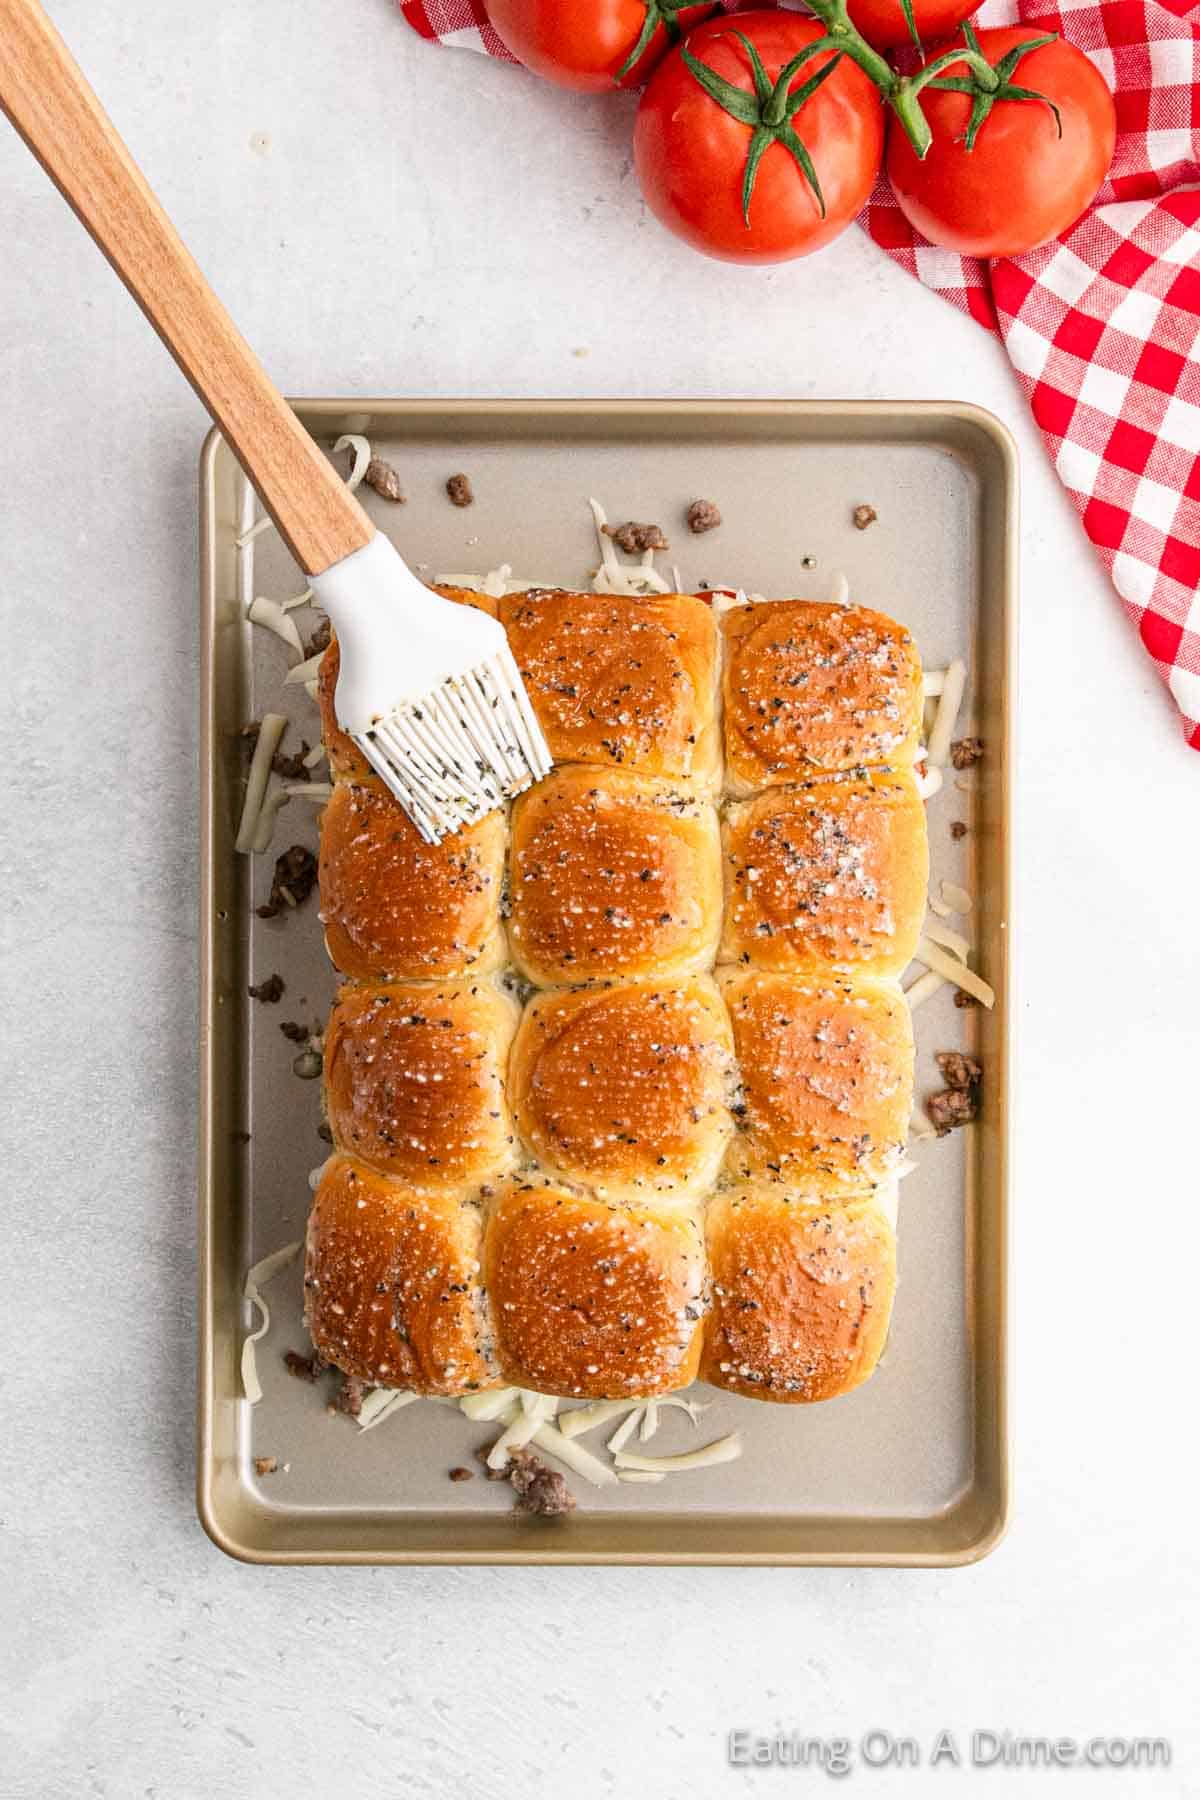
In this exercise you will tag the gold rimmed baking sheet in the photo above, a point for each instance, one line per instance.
(913, 1467)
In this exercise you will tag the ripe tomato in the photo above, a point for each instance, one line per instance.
(584, 44)
(882, 22)
(691, 153)
(1022, 184)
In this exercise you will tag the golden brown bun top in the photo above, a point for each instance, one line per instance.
(391, 1283)
(832, 873)
(345, 758)
(826, 1070)
(414, 1079)
(625, 1087)
(620, 682)
(394, 906)
(594, 1299)
(611, 876)
(813, 686)
(802, 1295)
(431, 1263)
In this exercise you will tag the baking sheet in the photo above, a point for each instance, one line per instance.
(912, 1467)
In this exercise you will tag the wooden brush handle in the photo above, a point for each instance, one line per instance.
(47, 99)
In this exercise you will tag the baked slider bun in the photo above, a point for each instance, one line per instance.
(802, 1294)
(591, 1298)
(394, 906)
(415, 1079)
(391, 1283)
(621, 682)
(555, 1196)
(345, 758)
(625, 1089)
(612, 876)
(811, 686)
(827, 1077)
(830, 874)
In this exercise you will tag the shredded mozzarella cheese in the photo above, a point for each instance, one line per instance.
(496, 583)
(949, 939)
(362, 457)
(615, 577)
(303, 672)
(587, 1418)
(269, 733)
(257, 1278)
(266, 523)
(573, 1456)
(626, 1429)
(316, 791)
(955, 972)
(483, 1408)
(531, 1411)
(270, 614)
(380, 1404)
(721, 1450)
(953, 688)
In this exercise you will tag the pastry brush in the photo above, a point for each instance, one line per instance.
(427, 689)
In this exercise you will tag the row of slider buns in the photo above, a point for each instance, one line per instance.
(618, 1084)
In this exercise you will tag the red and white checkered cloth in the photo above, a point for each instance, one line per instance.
(1102, 327)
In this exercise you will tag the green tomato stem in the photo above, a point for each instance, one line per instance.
(844, 35)
(909, 116)
(985, 76)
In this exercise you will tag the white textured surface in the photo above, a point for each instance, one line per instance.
(372, 245)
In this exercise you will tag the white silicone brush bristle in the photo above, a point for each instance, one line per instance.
(461, 750)
(429, 692)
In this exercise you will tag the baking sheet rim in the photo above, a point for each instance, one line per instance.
(997, 1512)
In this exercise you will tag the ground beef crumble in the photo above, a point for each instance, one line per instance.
(966, 752)
(460, 491)
(350, 1396)
(634, 538)
(703, 515)
(304, 1368)
(539, 1490)
(864, 516)
(958, 1103)
(269, 992)
(384, 479)
(292, 768)
(293, 881)
(954, 1106)
(295, 1033)
(461, 1474)
(320, 640)
(266, 1465)
(958, 829)
(959, 1070)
